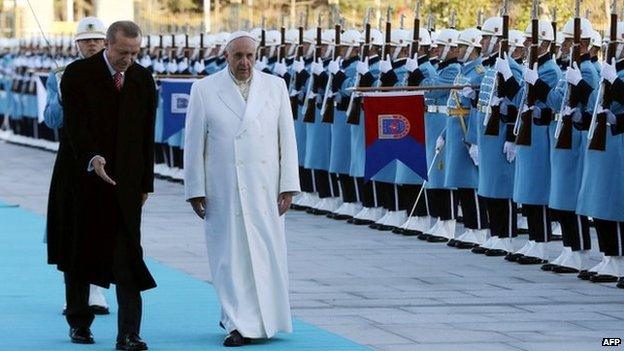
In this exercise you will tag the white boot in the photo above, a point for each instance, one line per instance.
(481, 235)
(489, 243)
(420, 224)
(447, 229)
(310, 200)
(614, 266)
(435, 228)
(562, 256)
(463, 238)
(538, 250)
(598, 267)
(383, 219)
(527, 246)
(395, 218)
(574, 259)
(503, 244)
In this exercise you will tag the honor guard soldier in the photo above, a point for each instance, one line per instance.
(462, 172)
(89, 40)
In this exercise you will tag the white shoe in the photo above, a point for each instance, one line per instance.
(310, 200)
(395, 218)
(435, 228)
(488, 244)
(600, 264)
(614, 266)
(562, 256)
(469, 233)
(447, 229)
(575, 259)
(537, 250)
(417, 223)
(481, 235)
(370, 214)
(503, 244)
(384, 218)
(349, 209)
(330, 204)
(527, 246)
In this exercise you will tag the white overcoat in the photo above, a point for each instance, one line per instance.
(241, 156)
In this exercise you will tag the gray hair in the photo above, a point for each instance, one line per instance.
(128, 29)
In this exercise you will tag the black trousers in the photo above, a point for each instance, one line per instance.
(78, 313)
(610, 237)
(178, 157)
(387, 194)
(45, 133)
(407, 198)
(348, 186)
(158, 155)
(442, 203)
(473, 208)
(305, 178)
(574, 230)
(368, 193)
(326, 184)
(503, 217)
(539, 221)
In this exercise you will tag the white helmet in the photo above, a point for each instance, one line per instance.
(448, 39)
(545, 31)
(434, 36)
(351, 38)
(424, 38)
(309, 36)
(328, 36)
(180, 40)
(376, 37)
(292, 36)
(560, 39)
(516, 38)
(222, 38)
(400, 37)
(620, 32)
(256, 33)
(586, 29)
(493, 26)
(470, 37)
(596, 39)
(90, 28)
(272, 38)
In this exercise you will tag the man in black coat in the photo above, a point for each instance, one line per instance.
(110, 104)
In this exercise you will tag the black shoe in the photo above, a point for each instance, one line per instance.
(374, 226)
(437, 239)
(99, 310)
(479, 250)
(423, 236)
(131, 342)
(620, 284)
(81, 335)
(358, 221)
(548, 267)
(513, 257)
(331, 215)
(298, 207)
(603, 278)
(409, 232)
(465, 245)
(386, 228)
(235, 339)
(585, 274)
(452, 243)
(317, 212)
(531, 260)
(341, 217)
(495, 252)
(564, 270)
(553, 237)
(398, 230)
(523, 231)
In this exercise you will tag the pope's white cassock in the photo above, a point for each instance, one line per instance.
(241, 155)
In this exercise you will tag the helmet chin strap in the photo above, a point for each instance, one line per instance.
(467, 54)
(79, 52)
(349, 51)
(493, 42)
(445, 53)
(292, 49)
(396, 52)
(272, 51)
(310, 50)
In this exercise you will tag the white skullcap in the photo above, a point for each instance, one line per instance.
(240, 34)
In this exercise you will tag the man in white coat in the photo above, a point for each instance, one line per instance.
(241, 171)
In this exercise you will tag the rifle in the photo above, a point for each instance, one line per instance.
(294, 97)
(309, 106)
(479, 19)
(563, 132)
(492, 121)
(386, 48)
(282, 50)
(262, 45)
(453, 24)
(523, 137)
(355, 102)
(329, 99)
(597, 134)
(416, 32)
(553, 46)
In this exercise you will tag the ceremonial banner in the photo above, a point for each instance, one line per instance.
(395, 130)
(42, 94)
(175, 94)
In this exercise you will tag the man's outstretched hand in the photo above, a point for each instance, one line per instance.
(98, 163)
(199, 206)
(283, 202)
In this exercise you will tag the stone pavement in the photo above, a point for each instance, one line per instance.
(382, 290)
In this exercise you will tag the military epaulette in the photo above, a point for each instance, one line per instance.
(59, 69)
(480, 69)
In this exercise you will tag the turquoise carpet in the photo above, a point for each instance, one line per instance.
(181, 314)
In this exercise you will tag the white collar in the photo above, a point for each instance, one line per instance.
(110, 67)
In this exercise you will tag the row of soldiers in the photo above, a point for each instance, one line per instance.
(495, 142)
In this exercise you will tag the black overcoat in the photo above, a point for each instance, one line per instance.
(88, 219)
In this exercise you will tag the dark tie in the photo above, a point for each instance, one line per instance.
(117, 80)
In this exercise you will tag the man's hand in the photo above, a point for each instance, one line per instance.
(98, 163)
(143, 199)
(199, 206)
(283, 202)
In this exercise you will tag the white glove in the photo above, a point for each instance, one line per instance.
(199, 66)
(159, 66)
(280, 68)
(473, 151)
(610, 116)
(298, 65)
(172, 67)
(440, 143)
(530, 75)
(509, 149)
(573, 75)
(262, 64)
(468, 92)
(574, 113)
(496, 100)
(317, 67)
(334, 66)
(385, 65)
(411, 64)
(608, 71)
(362, 67)
(502, 67)
(182, 66)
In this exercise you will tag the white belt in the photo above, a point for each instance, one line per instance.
(437, 109)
